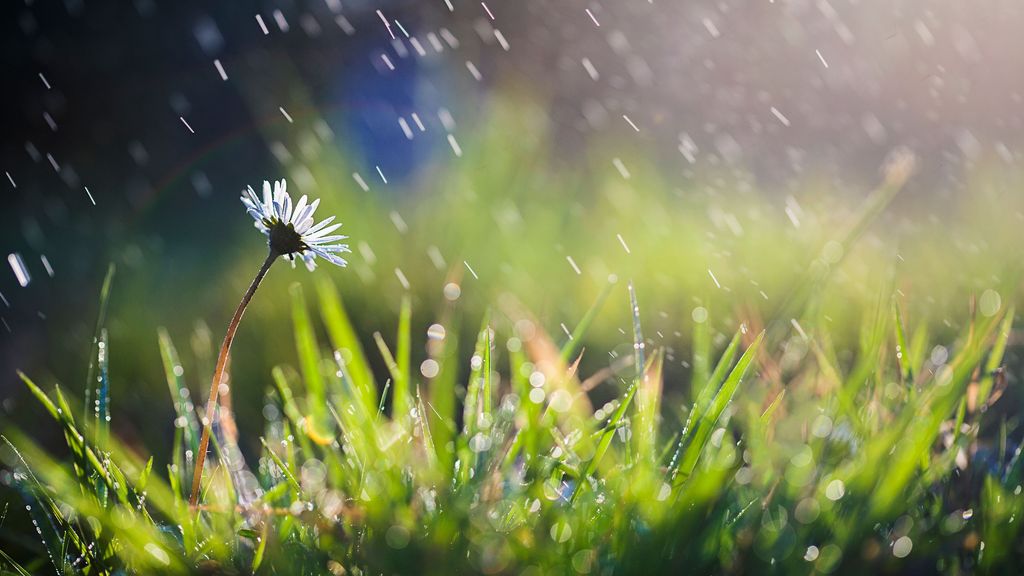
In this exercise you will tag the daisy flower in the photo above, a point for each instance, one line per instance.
(290, 228)
(290, 233)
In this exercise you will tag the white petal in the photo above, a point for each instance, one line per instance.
(286, 207)
(320, 226)
(330, 257)
(249, 204)
(324, 240)
(304, 225)
(300, 207)
(313, 205)
(268, 198)
(314, 234)
(299, 218)
(280, 192)
(332, 248)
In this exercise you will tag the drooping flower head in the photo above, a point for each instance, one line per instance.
(289, 227)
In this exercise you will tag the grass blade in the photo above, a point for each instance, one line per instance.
(309, 361)
(708, 421)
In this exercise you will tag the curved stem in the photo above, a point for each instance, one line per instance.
(218, 375)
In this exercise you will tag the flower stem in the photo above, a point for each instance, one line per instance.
(218, 375)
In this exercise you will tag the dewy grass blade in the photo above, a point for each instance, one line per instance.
(486, 391)
(103, 391)
(394, 370)
(76, 439)
(722, 399)
(291, 408)
(403, 401)
(101, 317)
(50, 524)
(704, 396)
(309, 362)
(648, 405)
(180, 395)
(638, 337)
(612, 426)
(576, 339)
(995, 357)
(906, 375)
(922, 428)
(701, 378)
(285, 469)
(441, 393)
(343, 338)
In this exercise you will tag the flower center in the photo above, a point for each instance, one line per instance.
(283, 238)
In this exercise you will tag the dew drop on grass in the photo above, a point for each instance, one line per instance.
(429, 368)
(583, 561)
(989, 303)
(902, 547)
(514, 344)
(480, 442)
(699, 314)
(436, 332)
(452, 291)
(835, 490)
(939, 355)
(807, 511)
(560, 401)
(561, 532)
(822, 426)
(537, 379)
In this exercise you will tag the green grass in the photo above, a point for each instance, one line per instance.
(840, 405)
(864, 465)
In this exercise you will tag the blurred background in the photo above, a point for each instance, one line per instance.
(535, 150)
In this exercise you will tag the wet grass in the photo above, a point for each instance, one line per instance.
(790, 449)
(809, 386)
